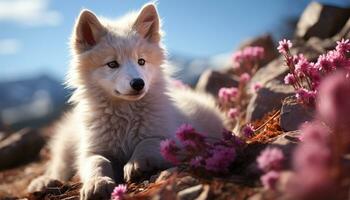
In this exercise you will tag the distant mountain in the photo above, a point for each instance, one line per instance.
(31, 101)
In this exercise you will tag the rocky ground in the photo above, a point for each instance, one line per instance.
(23, 154)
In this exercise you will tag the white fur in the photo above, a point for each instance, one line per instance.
(107, 135)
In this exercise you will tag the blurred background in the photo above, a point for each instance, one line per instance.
(34, 51)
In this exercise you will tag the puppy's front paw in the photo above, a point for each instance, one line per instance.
(97, 188)
(134, 169)
(41, 183)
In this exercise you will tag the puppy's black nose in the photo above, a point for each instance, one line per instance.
(137, 84)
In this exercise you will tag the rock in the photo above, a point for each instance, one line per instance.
(291, 137)
(211, 81)
(344, 33)
(312, 48)
(190, 193)
(20, 147)
(267, 99)
(3, 135)
(294, 114)
(275, 70)
(204, 194)
(322, 21)
(320, 45)
(185, 182)
(163, 175)
(267, 43)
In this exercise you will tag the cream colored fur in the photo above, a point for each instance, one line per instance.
(112, 135)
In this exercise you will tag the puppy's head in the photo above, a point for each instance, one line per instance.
(121, 58)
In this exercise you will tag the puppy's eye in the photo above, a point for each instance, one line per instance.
(113, 64)
(141, 61)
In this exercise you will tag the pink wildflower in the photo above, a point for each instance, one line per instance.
(169, 150)
(312, 180)
(183, 131)
(244, 78)
(228, 94)
(233, 113)
(270, 159)
(197, 162)
(333, 98)
(237, 57)
(232, 140)
(324, 64)
(314, 133)
(302, 66)
(248, 131)
(284, 46)
(270, 179)
(343, 46)
(253, 53)
(289, 79)
(118, 192)
(256, 87)
(306, 96)
(189, 137)
(220, 159)
(311, 157)
(248, 54)
(315, 77)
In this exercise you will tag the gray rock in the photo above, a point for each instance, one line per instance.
(267, 99)
(321, 21)
(291, 137)
(20, 147)
(211, 81)
(275, 70)
(163, 175)
(185, 182)
(344, 33)
(190, 193)
(294, 114)
(3, 135)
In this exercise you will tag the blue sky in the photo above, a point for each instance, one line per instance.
(34, 33)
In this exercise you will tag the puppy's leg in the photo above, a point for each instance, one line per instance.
(97, 176)
(61, 167)
(145, 158)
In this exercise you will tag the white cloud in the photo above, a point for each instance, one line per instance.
(9, 46)
(29, 13)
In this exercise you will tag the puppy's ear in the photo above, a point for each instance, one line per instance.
(87, 32)
(147, 23)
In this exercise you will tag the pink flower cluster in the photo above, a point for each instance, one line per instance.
(196, 151)
(227, 95)
(246, 60)
(317, 161)
(245, 64)
(248, 131)
(230, 98)
(270, 161)
(334, 101)
(256, 87)
(305, 76)
(119, 192)
(248, 55)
